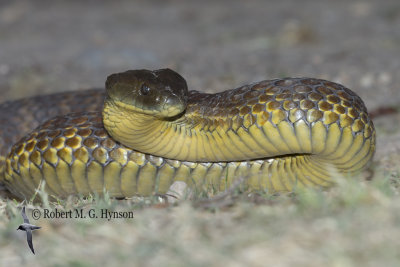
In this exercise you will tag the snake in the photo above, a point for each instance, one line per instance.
(147, 131)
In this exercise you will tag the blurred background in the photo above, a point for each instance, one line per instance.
(51, 46)
(48, 46)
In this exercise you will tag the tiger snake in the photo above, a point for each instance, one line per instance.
(147, 131)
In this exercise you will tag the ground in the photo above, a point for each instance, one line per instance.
(49, 46)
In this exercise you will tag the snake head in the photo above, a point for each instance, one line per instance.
(162, 93)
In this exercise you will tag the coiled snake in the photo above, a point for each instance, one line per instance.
(280, 134)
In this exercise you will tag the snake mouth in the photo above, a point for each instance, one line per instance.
(171, 107)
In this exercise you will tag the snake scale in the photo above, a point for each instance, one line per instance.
(147, 131)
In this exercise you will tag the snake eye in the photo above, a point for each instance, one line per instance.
(144, 90)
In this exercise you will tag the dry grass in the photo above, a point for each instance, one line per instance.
(354, 224)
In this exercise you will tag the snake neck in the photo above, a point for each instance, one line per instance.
(137, 130)
(202, 133)
(180, 137)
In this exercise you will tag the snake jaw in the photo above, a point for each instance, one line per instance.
(171, 108)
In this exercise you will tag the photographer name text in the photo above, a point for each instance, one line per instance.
(81, 214)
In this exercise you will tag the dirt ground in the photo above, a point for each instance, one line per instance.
(49, 46)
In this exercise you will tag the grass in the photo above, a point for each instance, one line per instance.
(355, 223)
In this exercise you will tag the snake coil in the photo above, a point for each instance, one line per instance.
(280, 134)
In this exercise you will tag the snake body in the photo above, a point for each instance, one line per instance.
(279, 134)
